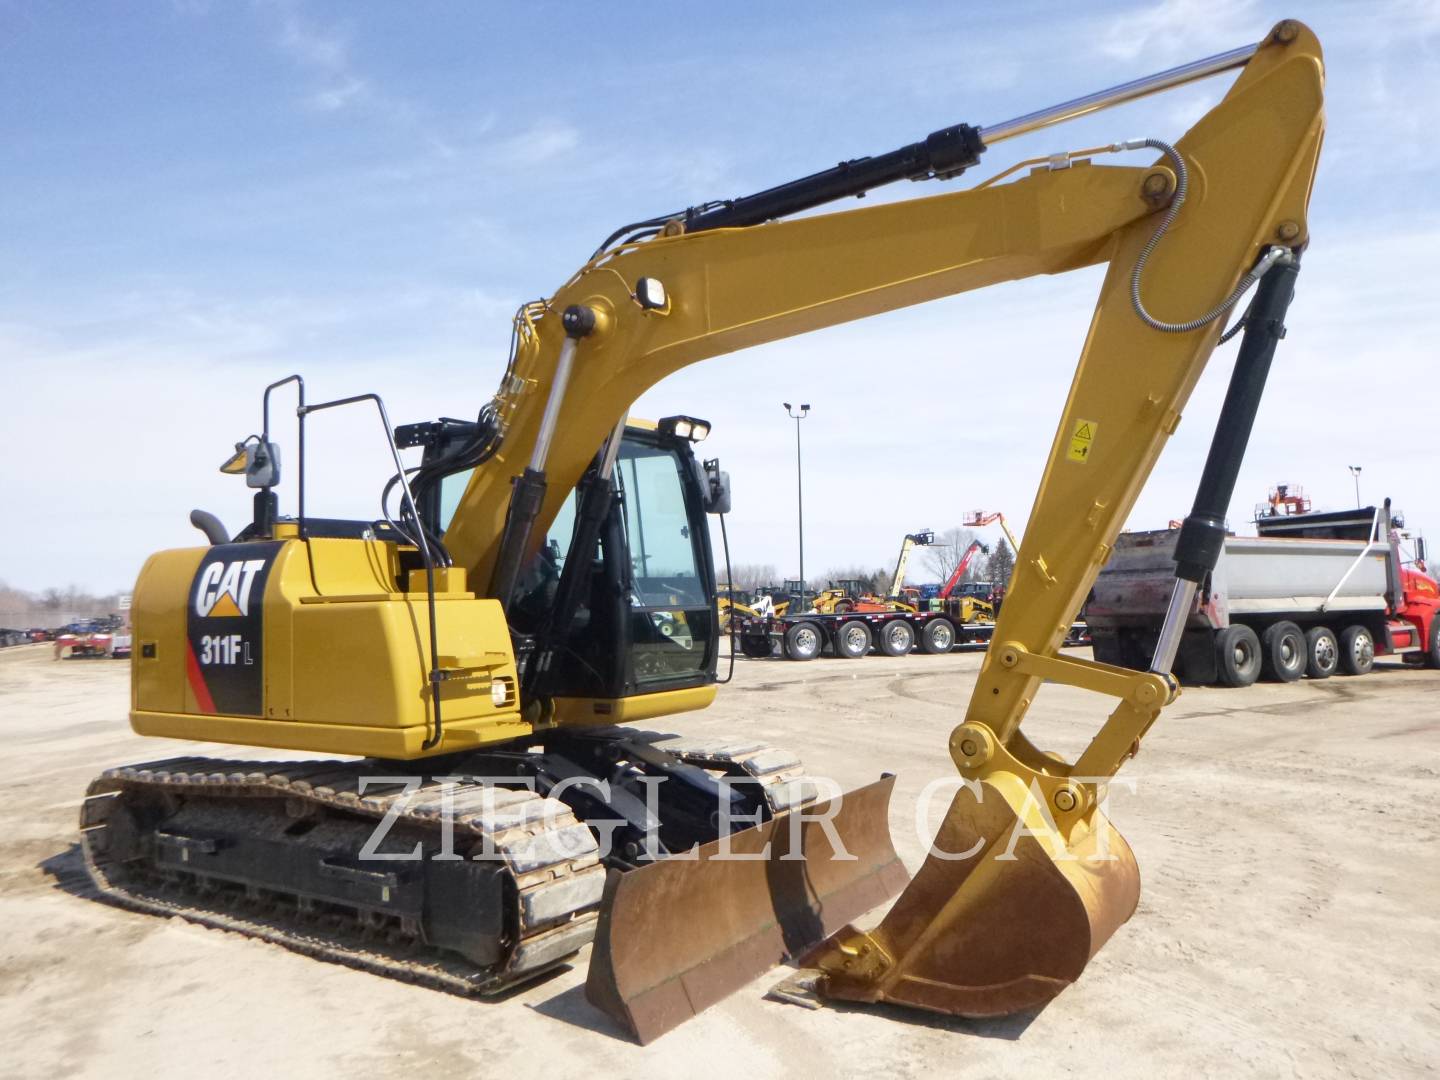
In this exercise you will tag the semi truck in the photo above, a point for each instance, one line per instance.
(1301, 599)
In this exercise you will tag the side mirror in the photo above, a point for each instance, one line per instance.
(262, 464)
(257, 459)
(717, 488)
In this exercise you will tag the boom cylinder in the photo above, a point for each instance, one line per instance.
(529, 491)
(1203, 533)
(946, 153)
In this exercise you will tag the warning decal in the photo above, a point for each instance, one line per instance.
(1082, 438)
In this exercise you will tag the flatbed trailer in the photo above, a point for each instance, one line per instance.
(853, 634)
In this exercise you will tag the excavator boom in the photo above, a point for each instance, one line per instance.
(1027, 878)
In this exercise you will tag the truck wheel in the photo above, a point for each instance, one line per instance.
(803, 641)
(1283, 652)
(1105, 647)
(757, 648)
(853, 640)
(1237, 655)
(939, 636)
(1322, 652)
(896, 638)
(1432, 654)
(1357, 651)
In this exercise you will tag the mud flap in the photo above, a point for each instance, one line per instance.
(681, 934)
(1002, 931)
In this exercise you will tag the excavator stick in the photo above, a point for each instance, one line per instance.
(1004, 915)
(681, 934)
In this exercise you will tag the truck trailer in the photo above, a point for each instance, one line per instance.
(1296, 602)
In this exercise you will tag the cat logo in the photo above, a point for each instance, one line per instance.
(223, 588)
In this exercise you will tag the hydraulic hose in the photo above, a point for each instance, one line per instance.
(1182, 188)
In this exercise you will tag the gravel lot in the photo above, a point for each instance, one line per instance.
(1287, 925)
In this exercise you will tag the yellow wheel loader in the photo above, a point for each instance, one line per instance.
(484, 659)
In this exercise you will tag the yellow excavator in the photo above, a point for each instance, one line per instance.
(540, 583)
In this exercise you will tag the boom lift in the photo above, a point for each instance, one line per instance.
(960, 568)
(978, 519)
(547, 577)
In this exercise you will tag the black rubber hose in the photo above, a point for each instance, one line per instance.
(210, 525)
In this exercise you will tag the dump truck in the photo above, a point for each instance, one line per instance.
(1304, 600)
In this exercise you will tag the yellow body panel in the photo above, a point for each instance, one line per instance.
(591, 711)
(344, 665)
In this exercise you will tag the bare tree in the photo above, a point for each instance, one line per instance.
(750, 576)
(945, 554)
(49, 608)
(875, 581)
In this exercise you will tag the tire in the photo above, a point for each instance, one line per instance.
(1357, 651)
(1283, 652)
(1105, 648)
(1237, 656)
(939, 637)
(897, 638)
(757, 648)
(852, 640)
(1322, 652)
(1432, 654)
(803, 641)
(842, 606)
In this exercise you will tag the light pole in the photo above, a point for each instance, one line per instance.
(1355, 472)
(799, 491)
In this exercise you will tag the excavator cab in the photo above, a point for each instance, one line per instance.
(645, 621)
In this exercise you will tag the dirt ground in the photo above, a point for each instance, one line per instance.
(1286, 838)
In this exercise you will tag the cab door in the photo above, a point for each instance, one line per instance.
(671, 618)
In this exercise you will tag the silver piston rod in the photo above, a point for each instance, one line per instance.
(1182, 596)
(1118, 95)
(528, 494)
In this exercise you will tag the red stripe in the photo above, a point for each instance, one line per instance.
(197, 680)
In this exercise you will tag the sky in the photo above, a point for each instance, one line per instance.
(202, 197)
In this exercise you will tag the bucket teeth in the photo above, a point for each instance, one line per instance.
(1001, 931)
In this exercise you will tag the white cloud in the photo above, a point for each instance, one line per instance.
(324, 53)
(338, 95)
(1180, 29)
(538, 145)
(325, 50)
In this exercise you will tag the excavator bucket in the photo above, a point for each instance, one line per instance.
(679, 935)
(1005, 913)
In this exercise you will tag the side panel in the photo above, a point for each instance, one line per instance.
(1269, 575)
(158, 617)
(225, 628)
(235, 644)
(1255, 576)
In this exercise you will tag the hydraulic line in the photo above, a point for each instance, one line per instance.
(1182, 188)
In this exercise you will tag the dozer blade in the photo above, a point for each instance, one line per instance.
(679, 935)
(1001, 931)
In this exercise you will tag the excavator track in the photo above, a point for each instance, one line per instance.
(551, 862)
(552, 858)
